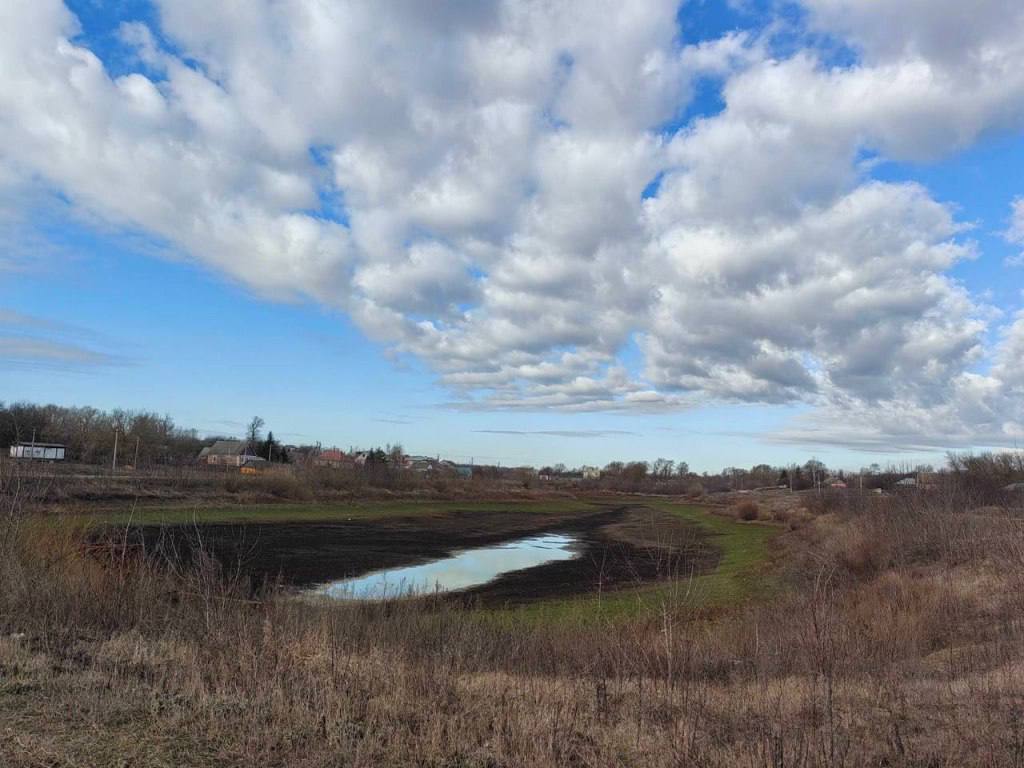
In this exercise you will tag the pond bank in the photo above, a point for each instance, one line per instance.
(619, 547)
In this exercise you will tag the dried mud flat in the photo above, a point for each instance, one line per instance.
(618, 547)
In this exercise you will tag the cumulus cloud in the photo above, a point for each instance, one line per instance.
(472, 183)
(948, 35)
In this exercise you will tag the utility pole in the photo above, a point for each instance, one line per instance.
(113, 461)
(32, 450)
(135, 463)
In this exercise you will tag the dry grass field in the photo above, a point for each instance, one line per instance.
(892, 636)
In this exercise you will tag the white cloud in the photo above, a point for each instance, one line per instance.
(490, 161)
(951, 35)
(848, 297)
(27, 352)
(30, 342)
(1015, 234)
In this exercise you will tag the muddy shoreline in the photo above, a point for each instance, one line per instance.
(618, 547)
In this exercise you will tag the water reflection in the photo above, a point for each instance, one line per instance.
(461, 571)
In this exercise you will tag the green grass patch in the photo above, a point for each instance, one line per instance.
(740, 575)
(311, 513)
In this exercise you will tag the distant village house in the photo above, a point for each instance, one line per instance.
(226, 453)
(421, 464)
(333, 458)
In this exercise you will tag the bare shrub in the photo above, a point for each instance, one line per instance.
(333, 479)
(277, 485)
(863, 550)
(829, 501)
(747, 510)
(983, 477)
(283, 487)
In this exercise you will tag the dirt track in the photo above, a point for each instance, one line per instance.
(621, 546)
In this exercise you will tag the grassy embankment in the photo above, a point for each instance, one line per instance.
(740, 574)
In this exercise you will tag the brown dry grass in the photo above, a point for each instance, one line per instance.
(898, 642)
(81, 487)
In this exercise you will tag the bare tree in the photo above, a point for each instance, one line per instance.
(635, 472)
(253, 431)
(614, 468)
(662, 468)
(762, 475)
(396, 456)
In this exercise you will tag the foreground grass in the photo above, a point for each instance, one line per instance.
(898, 643)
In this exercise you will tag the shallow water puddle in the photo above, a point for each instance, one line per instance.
(470, 568)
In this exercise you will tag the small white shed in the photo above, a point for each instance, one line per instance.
(41, 451)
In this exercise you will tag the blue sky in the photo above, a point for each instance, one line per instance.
(212, 355)
(435, 252)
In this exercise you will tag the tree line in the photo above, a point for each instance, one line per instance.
(148, 439)
(670, 476)
(90, 434)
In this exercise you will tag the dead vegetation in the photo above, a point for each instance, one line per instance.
(78, 487)
(747, 510)
(897, 642)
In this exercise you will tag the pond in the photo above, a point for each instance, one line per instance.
(462, 570)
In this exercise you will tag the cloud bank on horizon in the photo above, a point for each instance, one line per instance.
(530, 198)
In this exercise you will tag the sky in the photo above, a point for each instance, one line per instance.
(723, 231)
